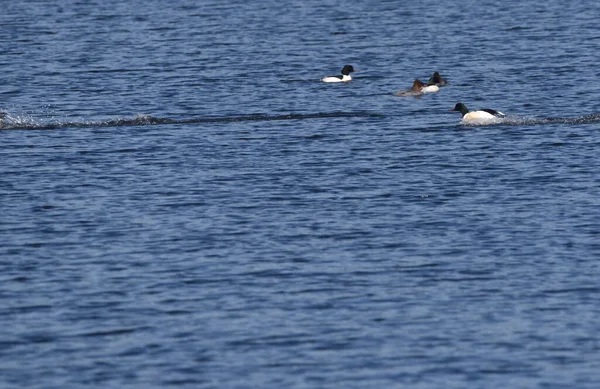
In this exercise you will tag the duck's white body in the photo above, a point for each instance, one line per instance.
(480, 117)
(340, 78)
(430, 89)
(344, 77)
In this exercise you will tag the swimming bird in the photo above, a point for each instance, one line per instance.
(2, 116)
(345, 77)
(481, 116)
(418, 88)
(436, 79)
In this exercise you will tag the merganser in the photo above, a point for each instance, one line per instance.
(436, 79)
(345, 77)
(418, 88)
(474, 117)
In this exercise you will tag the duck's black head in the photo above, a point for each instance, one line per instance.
(460, 107)
(436, 79)
(3, 115)
(347, 70)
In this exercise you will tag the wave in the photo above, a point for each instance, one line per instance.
(25, 122)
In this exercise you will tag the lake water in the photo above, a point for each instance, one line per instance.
(183, 203)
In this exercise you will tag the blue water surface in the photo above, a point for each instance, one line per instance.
(183, 203)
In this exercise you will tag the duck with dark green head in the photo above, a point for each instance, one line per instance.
(344, 77)
(436, 79)
(481, 116)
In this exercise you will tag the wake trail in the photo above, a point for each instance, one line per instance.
(528, 121)
(27, 123)
(147, 120)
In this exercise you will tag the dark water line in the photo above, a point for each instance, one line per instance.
(150, 120)
(595, 118)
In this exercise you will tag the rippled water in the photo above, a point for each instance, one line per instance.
(183, 204)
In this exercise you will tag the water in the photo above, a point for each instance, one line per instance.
(183, 204)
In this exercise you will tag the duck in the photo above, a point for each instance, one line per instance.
(436, 79)
(2, 116)
(345, 77)
(418, 88)
(480, 116)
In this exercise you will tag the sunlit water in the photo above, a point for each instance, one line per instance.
(184, 204)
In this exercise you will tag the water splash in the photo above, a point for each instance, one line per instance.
(16, 121)
(529, 120)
